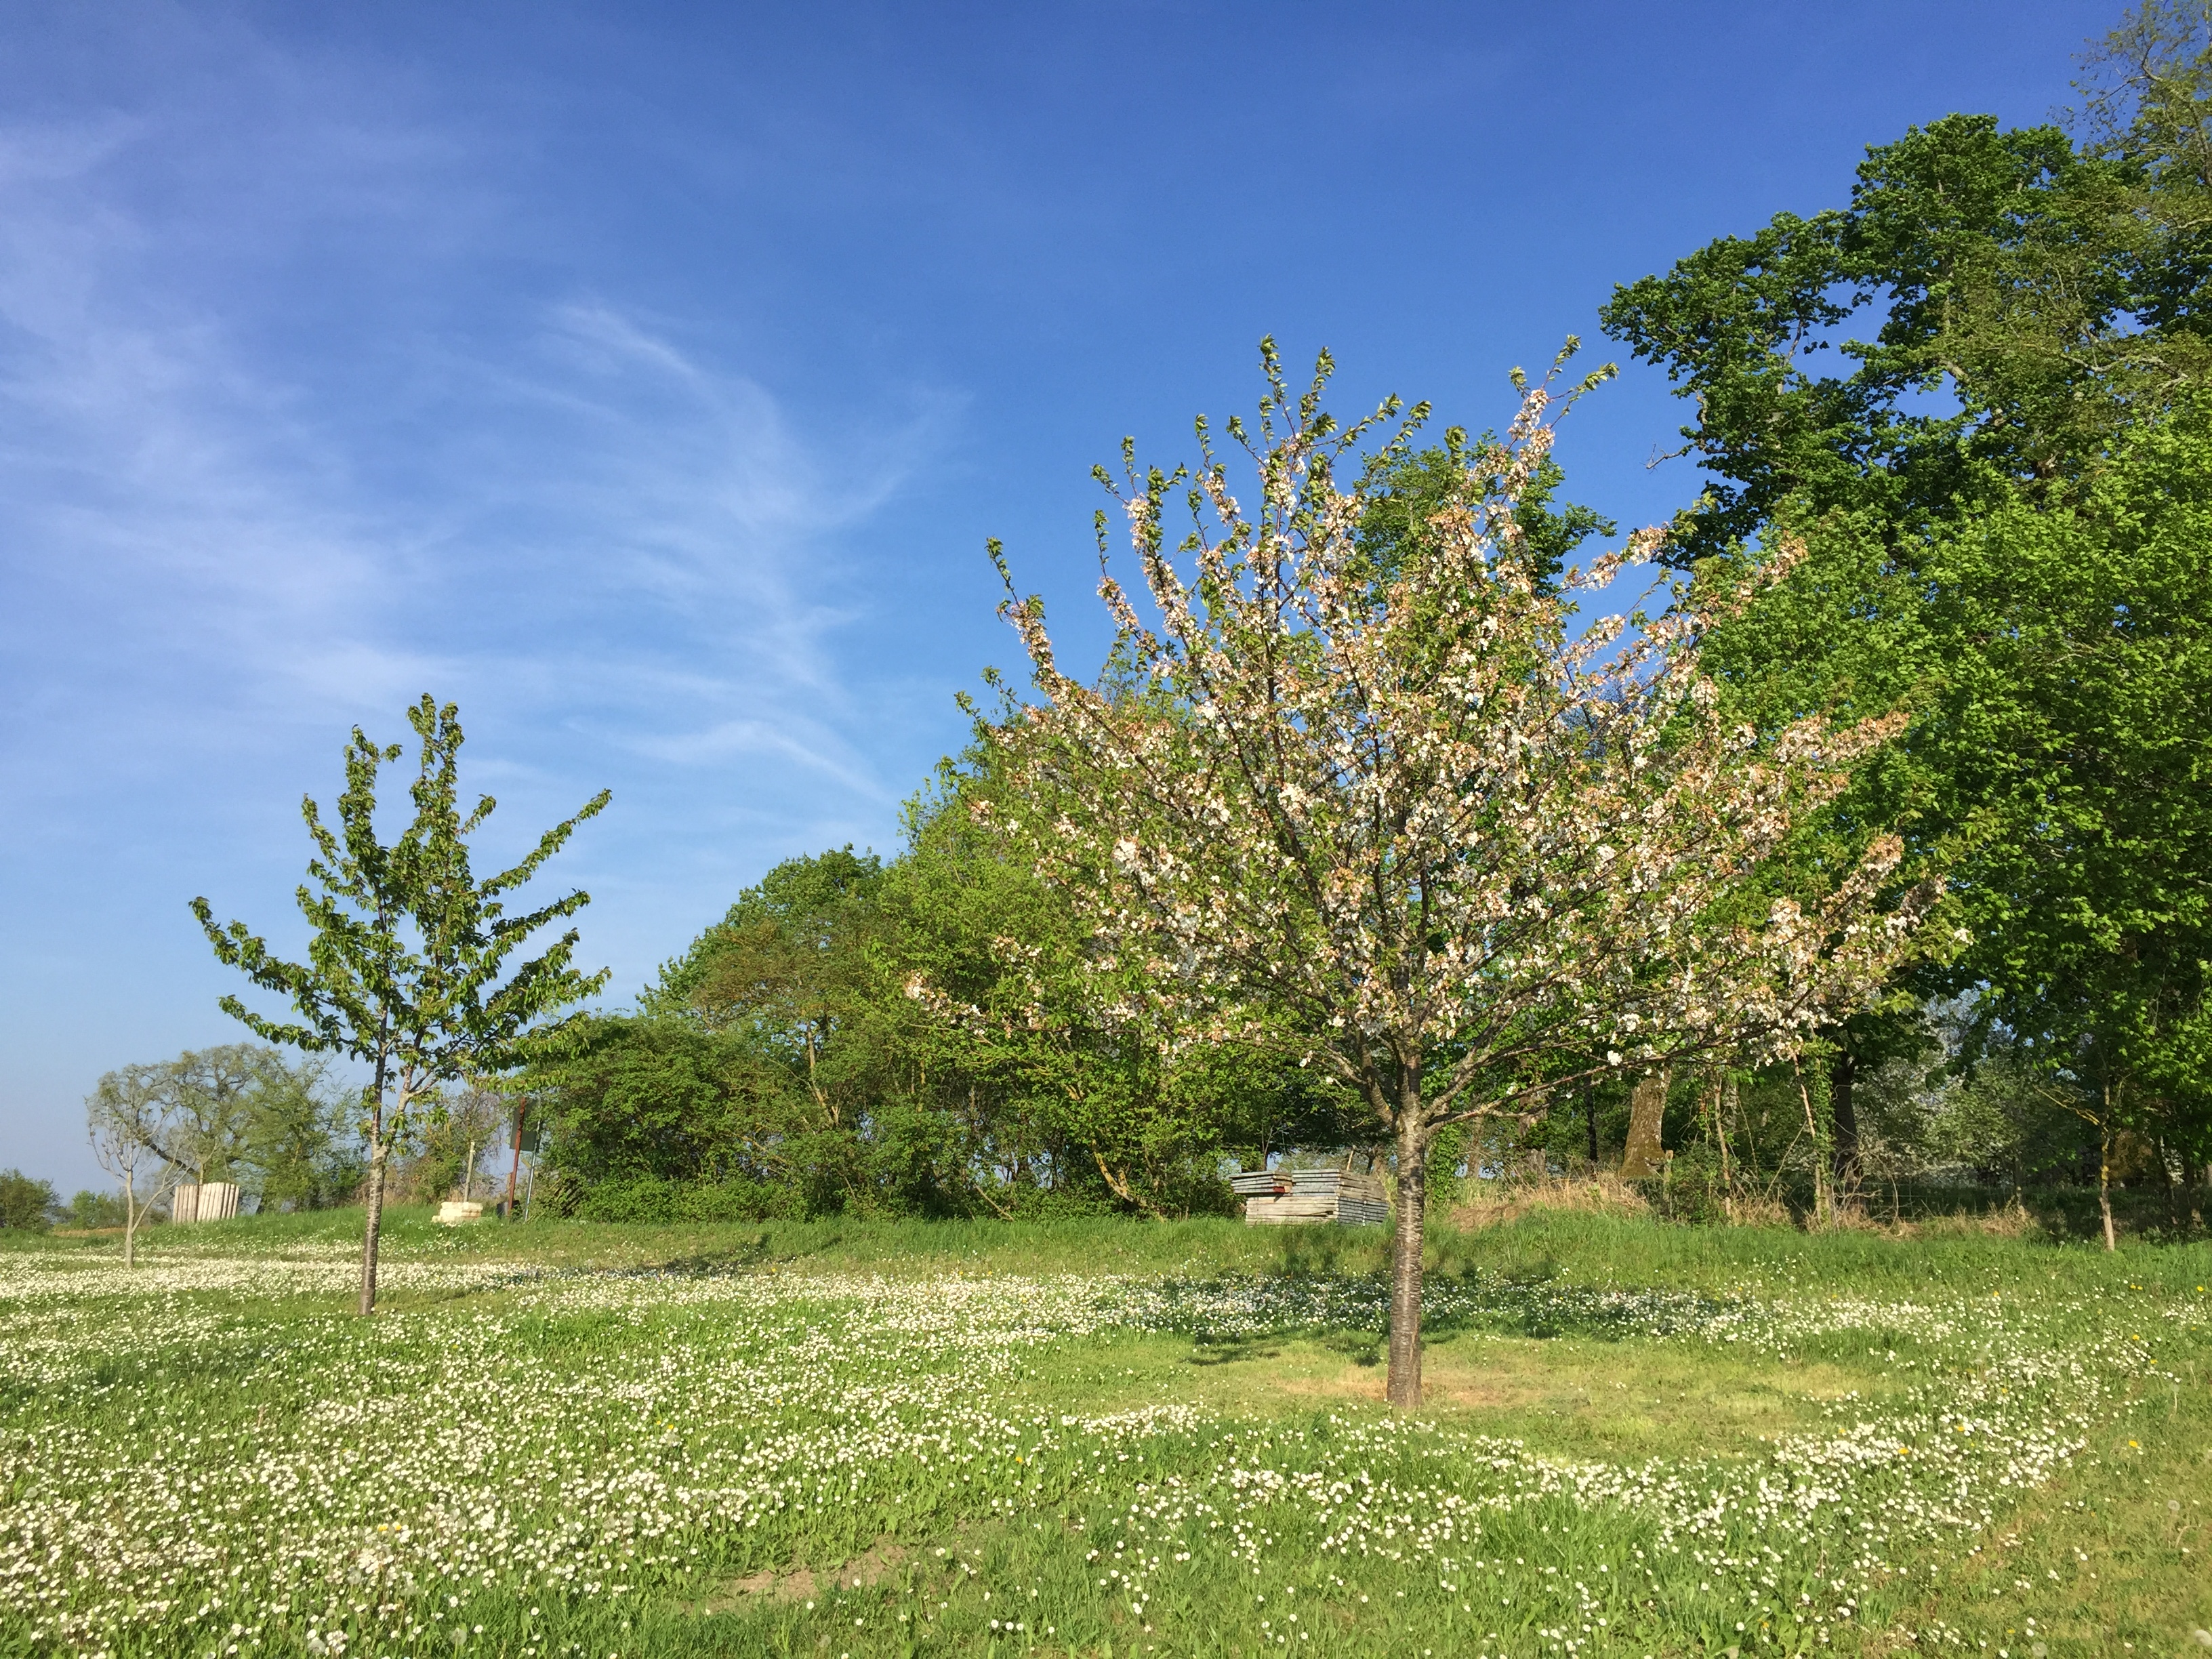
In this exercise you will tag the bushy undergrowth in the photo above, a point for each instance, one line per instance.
(890, 1438)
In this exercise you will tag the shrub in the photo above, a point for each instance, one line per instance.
(90, 1210)
(25, 1204)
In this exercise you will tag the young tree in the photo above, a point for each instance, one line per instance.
(453, 1148)
(1395, 816)
(193, 1110)
(405, 971)
(132, 1117)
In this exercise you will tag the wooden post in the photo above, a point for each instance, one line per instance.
(515, 1167)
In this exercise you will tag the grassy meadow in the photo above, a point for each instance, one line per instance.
(570, 1441)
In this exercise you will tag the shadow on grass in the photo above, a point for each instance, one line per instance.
(737, 1256)
(1207, 1352)
(1230, 1318)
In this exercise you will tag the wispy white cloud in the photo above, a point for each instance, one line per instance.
(288, 435)
(584, 512)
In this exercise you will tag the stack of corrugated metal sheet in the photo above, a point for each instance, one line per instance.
(1291, 1197)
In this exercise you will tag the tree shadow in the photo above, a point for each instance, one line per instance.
(1207, 1352)
(753, 1252)
(1229, 1317)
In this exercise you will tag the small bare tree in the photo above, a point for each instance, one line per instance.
(130, 1123)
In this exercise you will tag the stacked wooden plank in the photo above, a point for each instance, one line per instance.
(1296, 1197)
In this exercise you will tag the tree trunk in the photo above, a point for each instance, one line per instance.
(1841, 1075)
(1590, 1110)
(1823, 1201)
(1404, 1385)
(376, 1158)
(1647, 1113)
(1723, 1093)
(1120, 1186)
(2104, 1172)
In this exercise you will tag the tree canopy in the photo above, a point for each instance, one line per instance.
(1976, 394)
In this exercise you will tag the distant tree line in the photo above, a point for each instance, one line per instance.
(241, 1114)
(285, 1133)
(780, 1067)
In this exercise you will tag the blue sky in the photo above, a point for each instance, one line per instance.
(646, 378)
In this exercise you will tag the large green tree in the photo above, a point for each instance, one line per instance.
(407, 968)
(1977, 318)
(1972, 394)
(1073, 1103)
(237, 1113)
(2072, 716)
(1989, 312)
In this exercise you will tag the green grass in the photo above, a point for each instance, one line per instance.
(887, 1437)
(1577, 1246)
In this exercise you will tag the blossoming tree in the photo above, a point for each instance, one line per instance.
(1387, 808)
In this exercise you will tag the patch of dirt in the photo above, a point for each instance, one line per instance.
(1441, 1387)
(798, 1584)
(1502, 1379)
